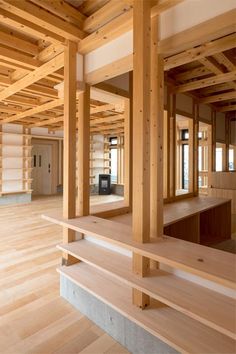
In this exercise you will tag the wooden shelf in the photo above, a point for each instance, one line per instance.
(174, 328)
(180, 294)
(193, 258)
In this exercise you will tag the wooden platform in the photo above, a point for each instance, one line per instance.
(203, 220)
(183, 306)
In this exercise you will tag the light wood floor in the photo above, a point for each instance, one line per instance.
(33, 317)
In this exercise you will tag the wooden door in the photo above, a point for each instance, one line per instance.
(42, 169)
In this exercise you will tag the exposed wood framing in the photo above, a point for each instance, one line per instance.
(69, 164)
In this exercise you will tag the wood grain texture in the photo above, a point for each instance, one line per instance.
(34, 319)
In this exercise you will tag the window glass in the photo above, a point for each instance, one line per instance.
(219, 159)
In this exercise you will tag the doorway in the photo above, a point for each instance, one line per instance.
(42, 169)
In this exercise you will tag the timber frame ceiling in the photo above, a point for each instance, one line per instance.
(33, 34)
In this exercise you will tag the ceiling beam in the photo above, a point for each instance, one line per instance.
(36, 75)
(201, 51)
(218, 98)
(22, 60)
(63, 10)
(35, 110)
(227, 108)
(17, 43)
(204, 32)
(29, 28)
(43, 18)
(211, 81)
(106, 14)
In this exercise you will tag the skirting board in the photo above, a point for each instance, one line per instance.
(15, 199)
(127, 333)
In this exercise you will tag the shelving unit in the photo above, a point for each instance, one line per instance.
(105, 168)
(16, 177)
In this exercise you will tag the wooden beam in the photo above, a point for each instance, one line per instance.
(164, 5)
(111, 70)
(10, 40)
(83, 152)
(42, 71)
(21, 60)
(106, 14)
(63, 10)
(141, 134)
(107, 33)
(35, 110)
(211, 81)
(218, 98)
(43, 18)
(228, 108)
(29, 28)
(201, 51)
(156, 134)
(69, 163)
(204, 32)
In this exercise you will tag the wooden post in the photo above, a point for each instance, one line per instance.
(227, 142)
(156, 134)
(195, 149)
(1, 164)
(213, 146)
(84, 152)
(127, 153)
(69, 163)
(171, 131)
(141, 138)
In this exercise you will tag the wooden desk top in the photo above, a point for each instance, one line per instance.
(180, 210)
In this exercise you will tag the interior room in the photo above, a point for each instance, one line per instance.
(117, 176)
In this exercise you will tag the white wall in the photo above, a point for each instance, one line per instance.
(173, 21)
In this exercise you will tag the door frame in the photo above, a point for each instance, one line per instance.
(55, 160)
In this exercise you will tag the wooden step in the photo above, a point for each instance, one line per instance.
(177, 330)
(200, 260)
(204, 305)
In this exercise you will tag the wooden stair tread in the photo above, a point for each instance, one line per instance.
(204, 305)
(196, 259)
(177, 330)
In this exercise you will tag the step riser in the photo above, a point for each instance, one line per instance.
(127, 333)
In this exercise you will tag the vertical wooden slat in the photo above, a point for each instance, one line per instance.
(195, 149)
(227, 141)
(69, 162)
(84, 152)
(1, 164)
(127, 153)
(141, 137)
(171, 127)
(213, 146)
(156, 134)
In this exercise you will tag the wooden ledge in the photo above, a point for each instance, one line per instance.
(199, 303)
(203, 261)
(177, 330)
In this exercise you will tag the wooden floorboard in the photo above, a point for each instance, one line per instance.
(33, 317)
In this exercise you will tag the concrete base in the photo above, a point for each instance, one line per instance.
(15, 199)
(127, 333)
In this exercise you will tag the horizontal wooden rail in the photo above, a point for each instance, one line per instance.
(180, 294)
(174, 328)
(203, 261)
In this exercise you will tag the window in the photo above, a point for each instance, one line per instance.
(231, 159)
(219, 159)
(185, 166)
(113, 159)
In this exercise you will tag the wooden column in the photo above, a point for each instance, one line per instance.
(127, 153)
(171, 133)
(213, 146)
(227, 141)
(156, 134)
(84, 152)
(141, 139)
(1, 162)
(69, 163)
(195, 149)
